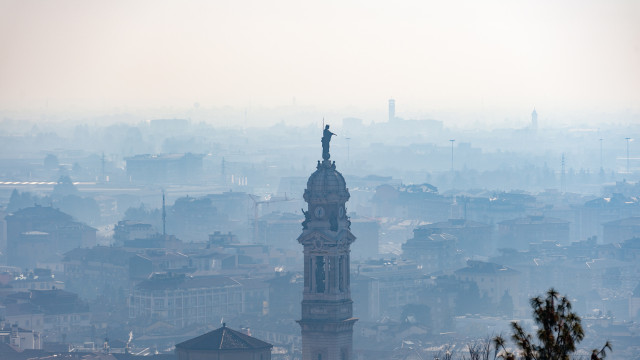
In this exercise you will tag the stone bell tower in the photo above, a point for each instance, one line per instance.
(327, 311)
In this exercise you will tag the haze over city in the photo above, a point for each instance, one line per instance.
(319, 181)
(484, 61)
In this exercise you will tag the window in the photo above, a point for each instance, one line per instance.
(307, 274)
(341, 273)
(343, 354)
(320, 274)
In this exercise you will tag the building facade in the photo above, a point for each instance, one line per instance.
(618, 231)
(519, 233)
(327, 309)
(36, 234)
(181, 300)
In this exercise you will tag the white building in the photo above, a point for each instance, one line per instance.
(182, 300)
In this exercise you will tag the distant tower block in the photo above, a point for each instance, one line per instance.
(392, 110)
(534, 120)
(327, 314)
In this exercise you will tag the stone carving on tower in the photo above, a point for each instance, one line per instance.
(327, 309)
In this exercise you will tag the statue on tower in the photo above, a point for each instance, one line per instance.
(326, 138)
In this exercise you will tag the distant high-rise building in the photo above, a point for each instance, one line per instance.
(534, 120)
(327, 309)
(392, 110)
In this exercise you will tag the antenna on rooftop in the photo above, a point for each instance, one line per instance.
(103, 178)
(601, 167)
(164, 217)
(627, 138)
(562, 179)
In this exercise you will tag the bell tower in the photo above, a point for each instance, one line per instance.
(327, 309)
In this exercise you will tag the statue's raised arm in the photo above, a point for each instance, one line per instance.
(326, 138)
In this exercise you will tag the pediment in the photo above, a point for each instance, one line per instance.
(342, 238)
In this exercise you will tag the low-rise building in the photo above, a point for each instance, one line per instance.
(618, 231)
(61, 311)
(24, 315)
(433, 252)
(494, 281)
(519, 233)
(473, 237)
(20, 338)
(127, 230)
(382, 287)
(36, 233)
(634, 303)
(38, 279)
(182, 300)
(277, 229)
(158, 260)
(101, 270)
(368, 230)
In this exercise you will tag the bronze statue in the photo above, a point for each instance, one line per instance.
(326, 138)
(307, 218)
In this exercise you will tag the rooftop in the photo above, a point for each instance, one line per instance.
(224, 338)
(180, 281)
(326, 183)
(533, 219)
(480, 267)
(42, 212)
(631, 221)
(455, 224)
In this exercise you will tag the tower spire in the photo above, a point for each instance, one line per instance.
(327, 309)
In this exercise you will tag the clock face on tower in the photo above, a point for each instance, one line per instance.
(319, 212)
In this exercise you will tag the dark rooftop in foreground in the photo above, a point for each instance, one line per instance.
(224, 338)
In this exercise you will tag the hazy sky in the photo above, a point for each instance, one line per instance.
(429, 55)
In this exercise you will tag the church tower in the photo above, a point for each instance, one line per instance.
(327, 311)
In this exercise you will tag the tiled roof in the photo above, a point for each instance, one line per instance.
(485, 268)
(43, 212)
(184, 282)
(530, 220)
(100, 254)
(455, 224)
(21, 309)
(631, 221)
(224, 338)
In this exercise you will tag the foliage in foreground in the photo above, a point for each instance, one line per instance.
(559, 331)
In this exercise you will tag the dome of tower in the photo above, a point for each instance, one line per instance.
(326, 184)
